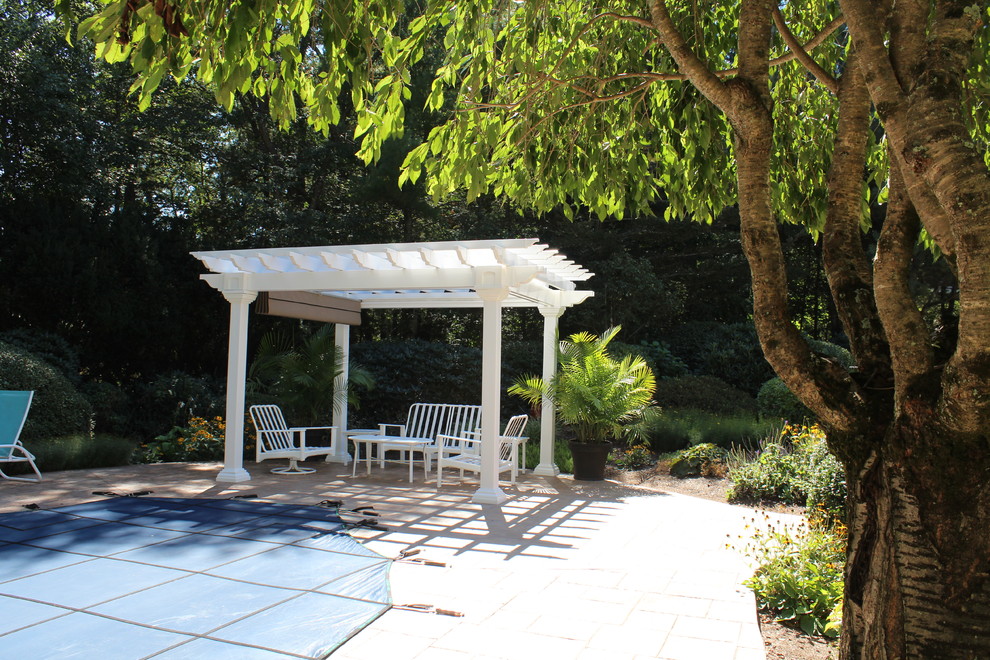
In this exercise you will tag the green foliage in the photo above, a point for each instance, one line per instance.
(199, 440)
(836, 353)
(57, 408)
(600, 397)
(562, 457)
(629, 291)
(799, 574)
(79, 452)
(729, 351)
(529, 123)
(48, 346)
(656, 354)
(170, 399)
(677, 429)
(705, 393)
(632, 458)
(775, 400)
(416, 371)
(306, 378)
(705, 459)
(113, 411)
(794, 467)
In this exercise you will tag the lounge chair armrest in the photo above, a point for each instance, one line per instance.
(385, 427)
(300, 431)
(7, 451)
(453, 444)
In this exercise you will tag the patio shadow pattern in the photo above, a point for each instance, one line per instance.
(562, 569)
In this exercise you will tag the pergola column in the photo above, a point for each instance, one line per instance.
(548, 416)
(491, 378)
(342, 338)
(233, 452)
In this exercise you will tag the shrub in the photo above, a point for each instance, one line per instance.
(774, 475)
(728, 431)
(411, 371)
(825, 483)
(674, 430)
(669, 432)
(80, 452)
(706, 393)
(199, 440)
(799, 574)
(701, 460)
(57, 408)
(833, 351)
(112, 408)
(657, 354)
(632, 458)
(794, 467)
(172, 398)
(776, 401)
(561, 452)
(51, 348)
(730, 351)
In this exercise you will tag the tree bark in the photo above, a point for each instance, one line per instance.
(906, 596)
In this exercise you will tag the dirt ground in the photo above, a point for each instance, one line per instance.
(782, 642)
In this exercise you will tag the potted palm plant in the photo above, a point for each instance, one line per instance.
(603, 399)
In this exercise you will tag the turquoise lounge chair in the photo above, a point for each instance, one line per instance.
(14, 407)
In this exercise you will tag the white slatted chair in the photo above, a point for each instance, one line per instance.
(464, 453)
(277, 440)
(14, 406)
(429, 421)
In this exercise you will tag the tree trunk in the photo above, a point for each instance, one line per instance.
(917, 569)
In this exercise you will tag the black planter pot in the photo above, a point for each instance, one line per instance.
(589, 460)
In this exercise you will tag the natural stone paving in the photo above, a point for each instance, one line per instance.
(562, 570)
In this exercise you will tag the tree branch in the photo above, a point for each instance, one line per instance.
(824, 387)
(802, 55)
(868, 34)
(849, 276)
(910, 352)
(710, 85)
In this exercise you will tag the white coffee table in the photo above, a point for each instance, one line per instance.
(369, 440)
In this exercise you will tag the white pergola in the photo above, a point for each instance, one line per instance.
(456, 274)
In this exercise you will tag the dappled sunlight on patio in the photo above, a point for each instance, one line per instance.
(562, 569)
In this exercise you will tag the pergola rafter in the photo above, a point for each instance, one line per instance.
(490, 275)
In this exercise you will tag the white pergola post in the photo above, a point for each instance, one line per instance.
(342, 338)
(548, 416)
(491, 379)
(233, 453)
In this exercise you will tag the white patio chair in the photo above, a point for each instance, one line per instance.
(464, 453)
(14, 406)
(277, 440)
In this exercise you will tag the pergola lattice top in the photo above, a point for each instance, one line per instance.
(440, 274)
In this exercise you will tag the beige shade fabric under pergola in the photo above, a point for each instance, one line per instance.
(490, 275)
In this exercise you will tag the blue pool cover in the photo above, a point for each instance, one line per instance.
(183, 578)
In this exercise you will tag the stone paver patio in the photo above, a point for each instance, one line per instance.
(561, 570)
